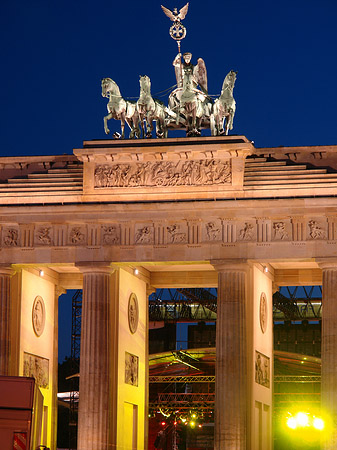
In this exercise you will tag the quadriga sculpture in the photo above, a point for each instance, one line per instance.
(224, 107)
(150, 109)
(120, 109)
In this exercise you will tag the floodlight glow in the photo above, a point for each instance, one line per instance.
(194, 416)
(192, 424)
(292, 423)
(302, 419)
(318, 423)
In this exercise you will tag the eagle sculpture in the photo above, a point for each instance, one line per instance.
(174, 15)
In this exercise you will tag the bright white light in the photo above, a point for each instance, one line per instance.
(302, 419)
(265, 269)
(136, 271)
(41, 273)
(291, 422)
(318, 423)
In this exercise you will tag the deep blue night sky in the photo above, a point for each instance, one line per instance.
(55, 53)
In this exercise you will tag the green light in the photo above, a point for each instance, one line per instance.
(318, 423)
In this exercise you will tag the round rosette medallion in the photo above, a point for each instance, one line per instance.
(38, 315)
(263, 312)
(133, 313)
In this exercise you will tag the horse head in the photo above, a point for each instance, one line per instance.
(229, 81)
(145, 83)
(108, 85)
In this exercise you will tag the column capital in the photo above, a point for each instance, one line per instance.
(230, 265)
(94, 267)
(6, 269)
(59, 290)
(150, 290)
(327, 263)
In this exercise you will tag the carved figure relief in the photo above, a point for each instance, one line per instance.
(143, 235)
(110, 235)
(316, 231)
(76, 236)
(11, 237)
(263, 312)
(164, 173)
(133, 313)
(280, 232)
(131, 369)
(262, 369)
(246, 233)
(176, 235)
(36, 367)
(43, 236)
(212, 230)
(38, 315)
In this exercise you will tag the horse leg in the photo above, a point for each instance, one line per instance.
(149, 126)
(142, 125)
(228, 122)
(106, 118)
(123, 127)
(212, 123)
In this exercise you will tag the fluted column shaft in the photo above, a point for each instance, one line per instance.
(329, 353)
(231, 355)
(93, 418)
(5, 275)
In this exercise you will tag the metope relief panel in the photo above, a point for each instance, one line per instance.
(203, 172)
(212, 231)
(316, 229)
(131, 369)
(144, 234)
(262, 369)
(281, 230)
(36, 367)
(111, 234)
(43, 235)
(10, 237)
(77, 235)
(246, 231)
(177, 233)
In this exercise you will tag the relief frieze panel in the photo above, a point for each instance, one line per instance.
(183, 231)
(10, 237)
(281, 230)
(111, 235)
(77, 235)
(212, 231)
(316, 230)
(246, 232)
(43, 235)
(202, 172)
(144, 234)
(177, 233)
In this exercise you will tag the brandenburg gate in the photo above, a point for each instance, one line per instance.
(120, 218)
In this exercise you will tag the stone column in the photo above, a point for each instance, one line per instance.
(58, 291)
(231, 402)
(5, 279)
(329, 351)
(93, 416)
